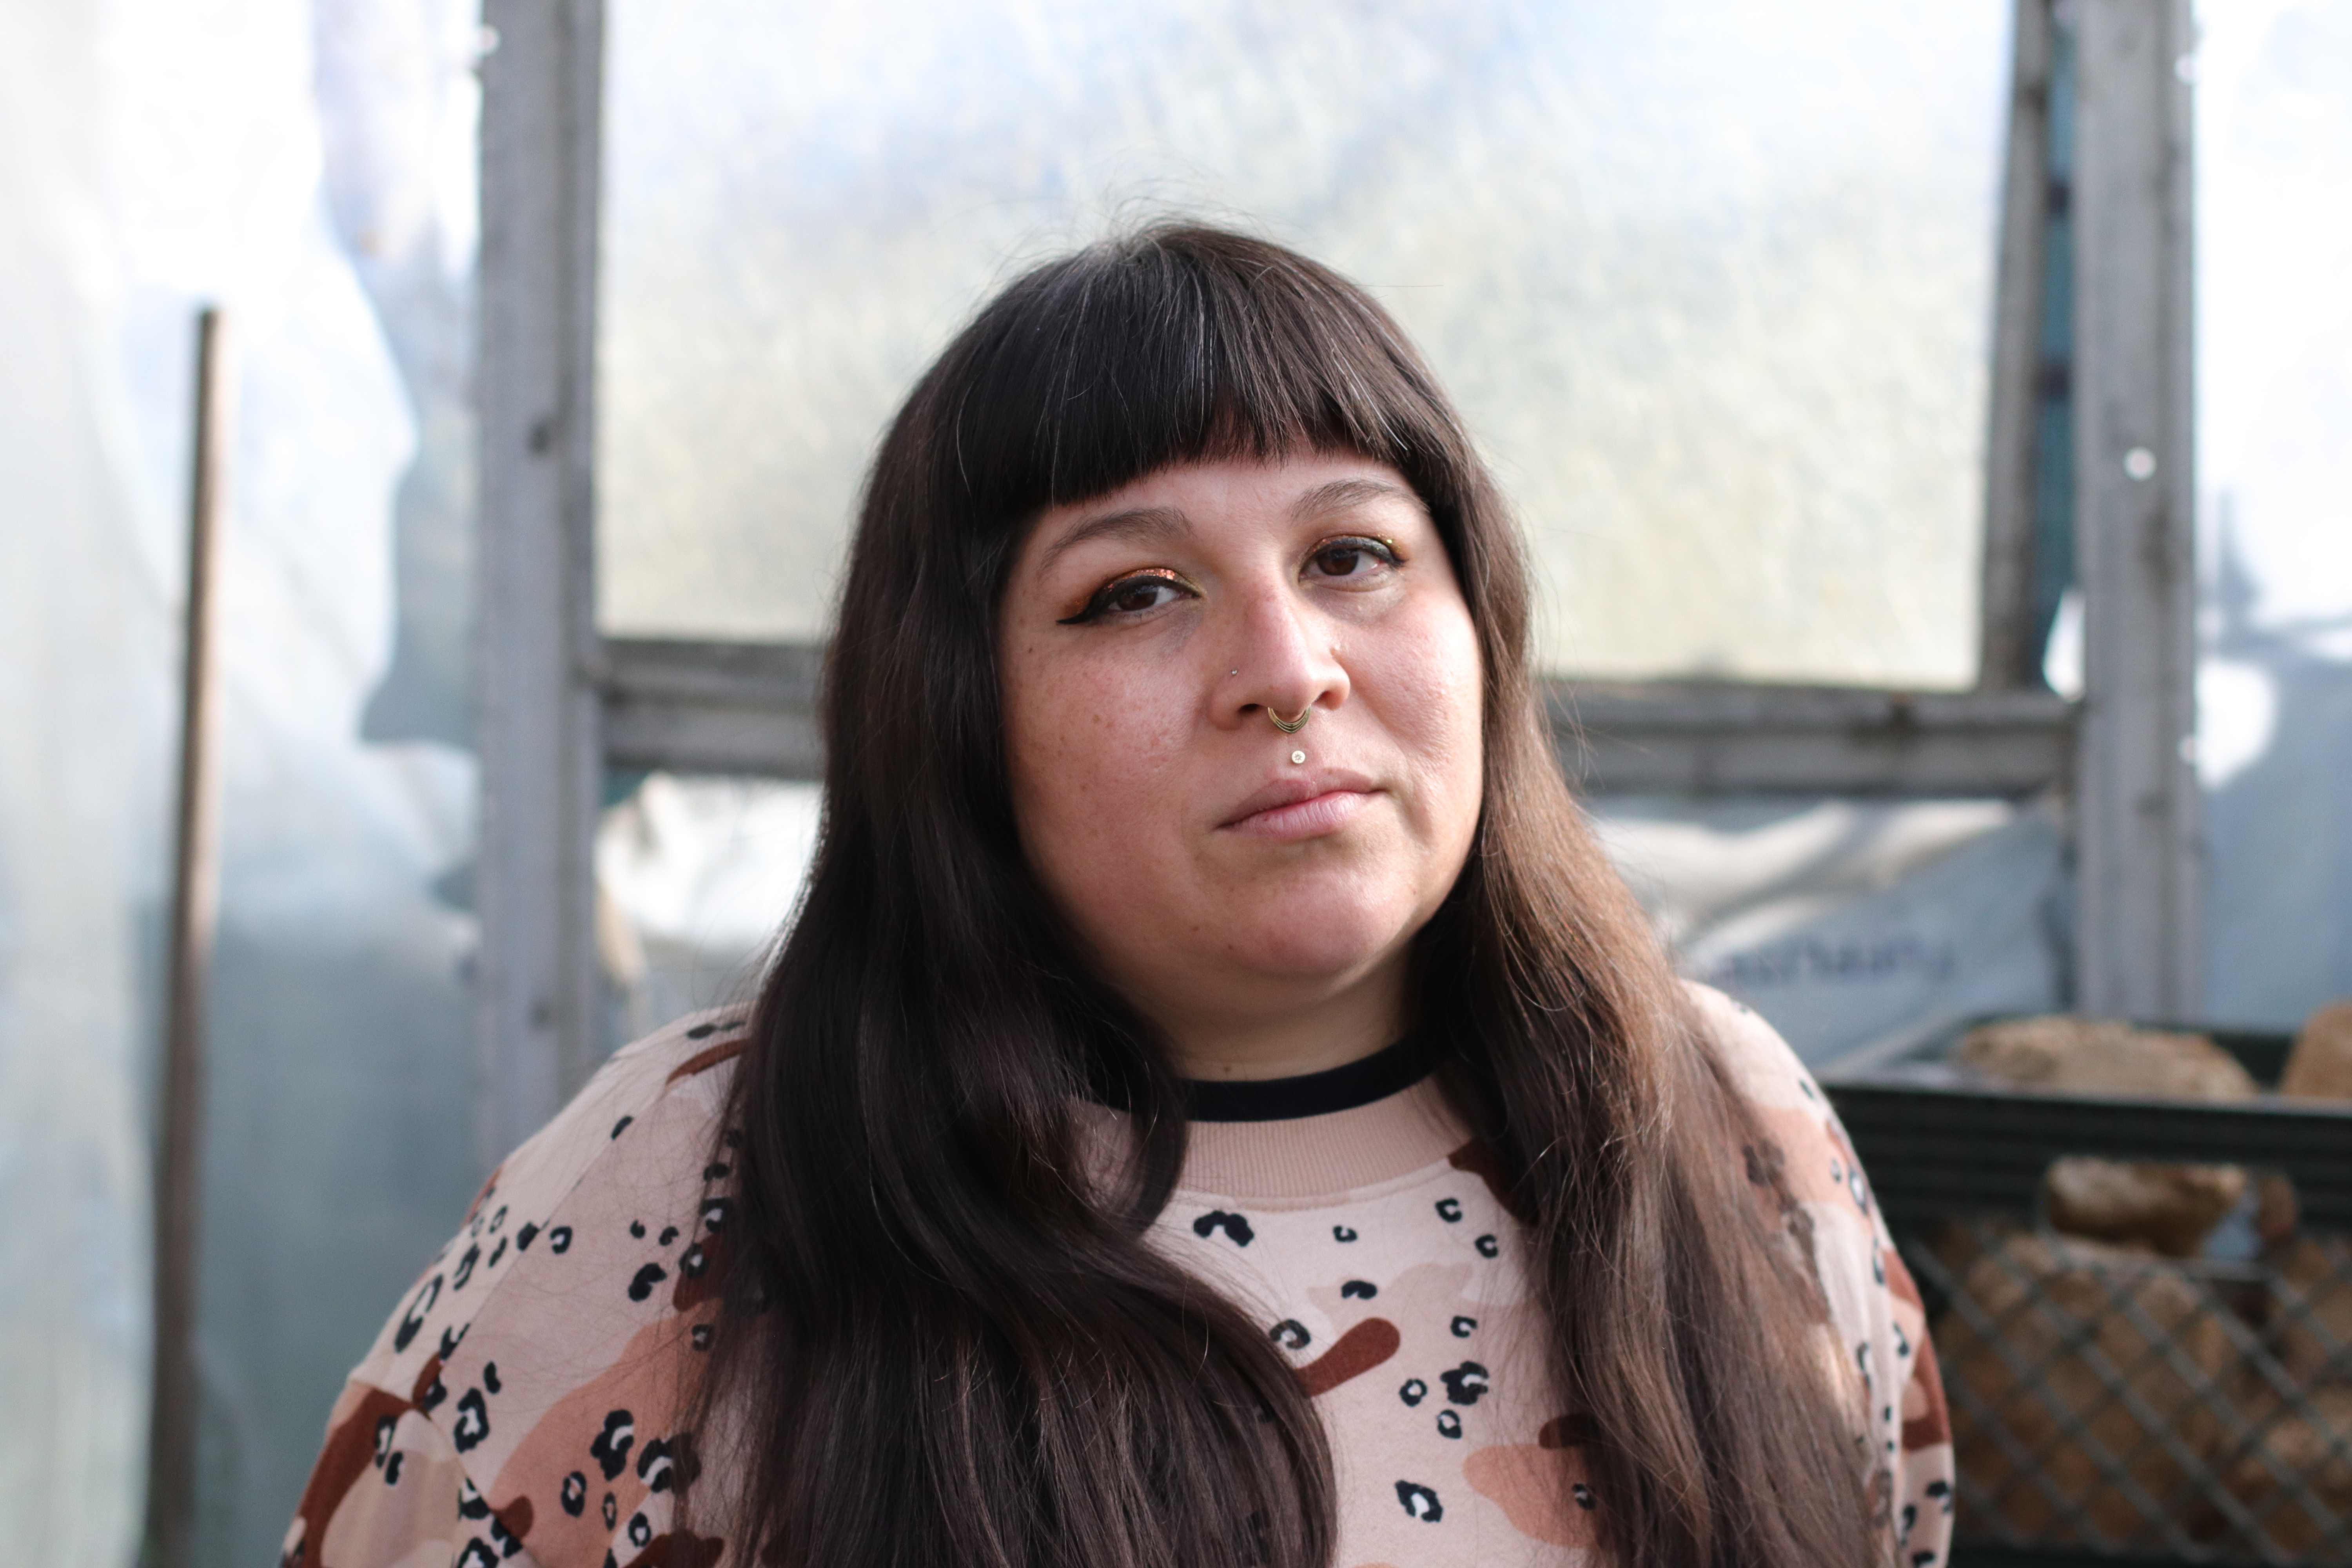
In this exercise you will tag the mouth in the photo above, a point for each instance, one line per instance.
(1305, 807)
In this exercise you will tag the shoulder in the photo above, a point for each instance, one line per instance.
(628, 1152)
(1794, 1114)
(546, 1348)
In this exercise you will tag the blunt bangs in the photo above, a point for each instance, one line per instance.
(1175, 345)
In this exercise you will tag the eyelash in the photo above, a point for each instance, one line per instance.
(1098, 604)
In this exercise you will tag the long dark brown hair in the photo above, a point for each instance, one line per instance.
(942, 1344)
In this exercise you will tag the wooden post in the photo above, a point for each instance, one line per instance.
(2139, 857)
(2010, 657)
(196, 904)
(536, 717)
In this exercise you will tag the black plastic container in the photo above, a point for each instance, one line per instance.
(1957, 1168)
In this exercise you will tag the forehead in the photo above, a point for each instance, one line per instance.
(1247, 492)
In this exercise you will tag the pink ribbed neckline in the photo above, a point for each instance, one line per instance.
(1311, 1160)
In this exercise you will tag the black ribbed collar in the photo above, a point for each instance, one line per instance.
(1375, 1077)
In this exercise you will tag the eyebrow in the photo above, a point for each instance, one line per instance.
(1144, 524)
(1341, 494)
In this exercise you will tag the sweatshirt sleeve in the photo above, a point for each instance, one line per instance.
(389, 1490)
(1875, 1316)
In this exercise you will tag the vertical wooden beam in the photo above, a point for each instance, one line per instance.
(2010, 658)
(195, 905)
(536, 717)
(2139, 839)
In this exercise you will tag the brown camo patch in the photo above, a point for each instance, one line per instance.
(1352, 1355)
(349, 1452)
(703, 1061)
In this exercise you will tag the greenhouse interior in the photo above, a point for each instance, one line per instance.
(1917, 419)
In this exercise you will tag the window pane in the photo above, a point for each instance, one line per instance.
(1710, 278)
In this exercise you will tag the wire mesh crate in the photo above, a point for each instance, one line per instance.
(2110, 1405)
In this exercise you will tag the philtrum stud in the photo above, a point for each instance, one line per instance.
(1297, 756)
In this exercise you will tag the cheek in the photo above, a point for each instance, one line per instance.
(1435, 715)
(1089, 751)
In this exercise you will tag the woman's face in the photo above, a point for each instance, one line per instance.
(1228, 876)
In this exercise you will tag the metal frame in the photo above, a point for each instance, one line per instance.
(537, 708)
(558, 705)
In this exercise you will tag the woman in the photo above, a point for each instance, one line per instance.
(1215, 1104)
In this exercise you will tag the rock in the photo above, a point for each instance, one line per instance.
(2292, 1475)
(2320, 1066)
(2083, 1330)
(2170, 1207)
(2311, 1308)
(2103, 1055)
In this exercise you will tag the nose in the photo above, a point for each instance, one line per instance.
(1281, 658)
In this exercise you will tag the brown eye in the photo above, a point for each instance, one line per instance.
(1135, 595)
(1357, 558)
(1143, 594)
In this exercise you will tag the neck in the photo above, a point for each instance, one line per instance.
(1330, 1031)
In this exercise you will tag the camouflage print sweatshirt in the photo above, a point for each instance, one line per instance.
(521, 1405)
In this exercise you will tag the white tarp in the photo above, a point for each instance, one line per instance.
(309, 166)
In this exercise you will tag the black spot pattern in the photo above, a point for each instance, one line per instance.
(622, 1125)
(654, 1466)
(642, 1286)
(575, 1494)
(1466, 1384)
(1359, 1291)
(473, 1423)
(1487, 1246)
(412, 1322)
(1235, 1227)
(1449, 1424)
(1449, 1210)
(1343, 1233)
(1420, 1502)
(525, 1237)
(1464, 1327)
(1413, 1392)
(560, 1239)
(610, 1447)
(1290, 1334)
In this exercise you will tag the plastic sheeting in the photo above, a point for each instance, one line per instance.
(2274, 408)
(1711, 278)
(310, 166)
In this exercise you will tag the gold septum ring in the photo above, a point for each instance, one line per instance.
(1292, 726)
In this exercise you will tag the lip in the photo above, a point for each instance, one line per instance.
(1302, 805)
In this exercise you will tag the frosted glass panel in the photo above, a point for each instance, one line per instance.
(1711, 278)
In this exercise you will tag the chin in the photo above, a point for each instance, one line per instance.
(1320, 937)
